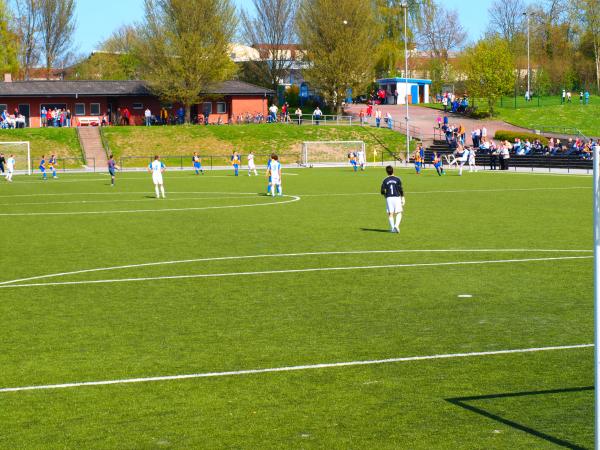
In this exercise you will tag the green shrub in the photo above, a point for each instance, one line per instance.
(510, 136)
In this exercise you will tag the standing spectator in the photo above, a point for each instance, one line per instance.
(484, 133)
(148, 117)
(389, 120)
(377, 118)
(43, 117)
(439, 122)
(564, 96)
(395, 96)
(587, 97)
(273, 109)
(569, 97)
(581, 97)
(445, 102)
(181, 115)
(361, 117)
(317, 114)
(68, 117)
(126, 116)
(370, 110)
(164, 116)
(493, 158)
(299, 115)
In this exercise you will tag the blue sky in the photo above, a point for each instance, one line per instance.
(96, 19)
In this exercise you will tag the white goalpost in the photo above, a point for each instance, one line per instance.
(332, 153)
(22, 152)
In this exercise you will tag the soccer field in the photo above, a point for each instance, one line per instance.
(223, 318)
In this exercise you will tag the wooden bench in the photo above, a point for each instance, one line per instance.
(90, 121)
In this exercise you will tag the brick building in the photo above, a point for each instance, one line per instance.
(91, 99)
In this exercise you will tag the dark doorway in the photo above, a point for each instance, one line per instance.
(24, 110)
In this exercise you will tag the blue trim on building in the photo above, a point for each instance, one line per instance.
(403, 80)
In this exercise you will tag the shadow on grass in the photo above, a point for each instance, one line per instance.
(375, 230)
(463, 403)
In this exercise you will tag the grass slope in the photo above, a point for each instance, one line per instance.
(85, 332)
(260, 138)
(550, 113)
(62, 142)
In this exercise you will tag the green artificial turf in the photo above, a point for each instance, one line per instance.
(117, 330)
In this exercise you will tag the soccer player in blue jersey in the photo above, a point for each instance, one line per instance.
(197, 164)
(112, 167)
(352, 159)
(391, 189)
(52, 165)
(437, 163)
(236, 162)
(43, 167)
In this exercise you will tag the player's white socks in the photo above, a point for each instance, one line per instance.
(398, 220)
(162, 190)
(392, 224)
(157, 191)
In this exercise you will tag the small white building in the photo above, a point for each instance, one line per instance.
(418, 90)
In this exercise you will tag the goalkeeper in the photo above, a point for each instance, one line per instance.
(391, 189)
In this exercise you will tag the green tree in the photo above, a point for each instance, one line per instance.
(588, 11)
(184, 47)
(390, 16)
(9, 62)
(338, 38)
(489, 69)
(57, 25)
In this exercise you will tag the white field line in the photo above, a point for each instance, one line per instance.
(454, 191)
(149, 197)
(294, 368)
(285, 271)
(71, 194)
(292, 198)
(293, 255)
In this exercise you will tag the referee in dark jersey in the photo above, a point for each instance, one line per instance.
(391, 189)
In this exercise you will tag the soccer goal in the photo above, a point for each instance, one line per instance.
(22, 152)
(323, 153)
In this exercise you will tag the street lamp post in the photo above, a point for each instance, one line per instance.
(528, 15)
(404, 5)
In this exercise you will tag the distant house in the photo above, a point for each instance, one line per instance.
(415, 90)
(87, 99)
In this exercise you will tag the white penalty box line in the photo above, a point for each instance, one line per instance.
(293, 368)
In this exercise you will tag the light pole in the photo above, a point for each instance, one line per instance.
(528, 15)
(404, 5)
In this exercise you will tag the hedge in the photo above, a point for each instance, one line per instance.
(510, 136)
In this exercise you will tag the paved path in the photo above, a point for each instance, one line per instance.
(425, 119)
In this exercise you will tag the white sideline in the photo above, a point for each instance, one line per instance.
(294, 368)
(271, 272)
(292, 198)
(290, 255)
(454, 191)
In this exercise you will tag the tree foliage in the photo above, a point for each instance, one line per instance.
(489, 69)
(8, 48)
(183, 47)
(27, 24)
(57, 25)
(338, 38)
(271, 29)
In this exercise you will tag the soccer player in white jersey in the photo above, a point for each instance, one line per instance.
(251, 165)
(460, 158)
(156, 168)
(472, 167)
(362, 159)
(10, 168)
(275, 170)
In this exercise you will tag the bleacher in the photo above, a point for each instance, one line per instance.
(532, 161)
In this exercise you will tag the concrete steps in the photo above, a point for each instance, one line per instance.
(91, 143)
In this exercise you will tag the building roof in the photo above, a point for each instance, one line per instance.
(68, 88)
(404, 80)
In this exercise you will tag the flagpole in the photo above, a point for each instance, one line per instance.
(597, 292)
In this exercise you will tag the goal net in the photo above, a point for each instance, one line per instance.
(325, 153)
(22, 154)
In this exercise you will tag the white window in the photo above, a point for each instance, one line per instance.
(221, 107)
(80, 109)
(137, 106)
(207, 108)
(95, 109)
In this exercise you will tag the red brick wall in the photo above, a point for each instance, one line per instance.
(252, 105)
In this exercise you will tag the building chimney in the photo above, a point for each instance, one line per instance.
(7, 78)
